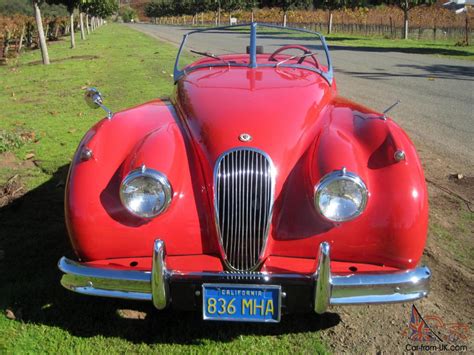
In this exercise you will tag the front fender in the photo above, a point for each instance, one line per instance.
(392, 229)
(99, 226)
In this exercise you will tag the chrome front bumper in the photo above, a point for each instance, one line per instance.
(329, 289)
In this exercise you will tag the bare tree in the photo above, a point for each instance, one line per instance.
(39, 25)
(406, 6)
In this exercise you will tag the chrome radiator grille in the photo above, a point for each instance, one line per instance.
(243, 197)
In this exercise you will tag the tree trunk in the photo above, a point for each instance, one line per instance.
(253, 15)
(81, 21)
(330, 23)
(71, 26)
(42, 40)
(202, 18)
(391, 27)
(284, 18)
(29, 35)
(22, 36)
(466, 39)
(6, 43)
(219, 15)
(405, 23)
(87, 25)
(46, 33)
(230, 18)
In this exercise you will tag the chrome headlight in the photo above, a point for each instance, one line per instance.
(145, 192)
(340, 196)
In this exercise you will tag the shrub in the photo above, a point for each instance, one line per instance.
(128, 14)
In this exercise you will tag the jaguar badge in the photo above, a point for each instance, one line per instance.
(245, 137)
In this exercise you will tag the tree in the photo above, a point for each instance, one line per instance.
(100, 9)
(159, 9)
(82, 3)
(406, 6)
(251, 5)
(231, 6)
(198, 6)
(332, 5)
(215, 6)
(71, 5)
(287, 5)
(39, 25)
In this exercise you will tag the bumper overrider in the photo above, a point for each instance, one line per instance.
(300, 292)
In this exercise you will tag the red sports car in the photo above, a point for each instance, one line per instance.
(254, 191)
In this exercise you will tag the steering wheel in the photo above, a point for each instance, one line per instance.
(294, 46)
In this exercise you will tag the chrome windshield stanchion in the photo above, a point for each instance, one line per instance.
(159, 277)
(323, 280)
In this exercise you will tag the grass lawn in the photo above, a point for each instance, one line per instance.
(42, 118)
(378, 44)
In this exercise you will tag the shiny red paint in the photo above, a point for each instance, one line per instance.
(204, 262)
(293, 115)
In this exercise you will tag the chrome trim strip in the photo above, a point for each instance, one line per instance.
(400, 286)
(106, 282)
(239, 236)
(330, 289)
(323, 280)
(367, 288)
(159, 275)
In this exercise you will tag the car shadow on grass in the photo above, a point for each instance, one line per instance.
(33, 238)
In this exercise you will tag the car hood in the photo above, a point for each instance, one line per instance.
(278, 108)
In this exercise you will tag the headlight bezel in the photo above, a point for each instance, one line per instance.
(156, 175)
(333, 176)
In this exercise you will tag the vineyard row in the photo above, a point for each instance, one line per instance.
(20, 32)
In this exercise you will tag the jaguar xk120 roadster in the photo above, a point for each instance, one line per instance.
(254, 191)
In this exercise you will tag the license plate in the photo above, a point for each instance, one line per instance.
(241, 303)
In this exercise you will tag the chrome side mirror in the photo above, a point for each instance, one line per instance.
(94, 100)
(93, 97)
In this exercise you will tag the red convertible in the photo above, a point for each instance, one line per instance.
(254, 191)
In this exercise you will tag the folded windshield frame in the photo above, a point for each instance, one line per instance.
(328, 75)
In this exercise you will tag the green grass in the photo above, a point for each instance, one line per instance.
(129, 68)
(46, 104)
(458, 248)
(378, 44)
